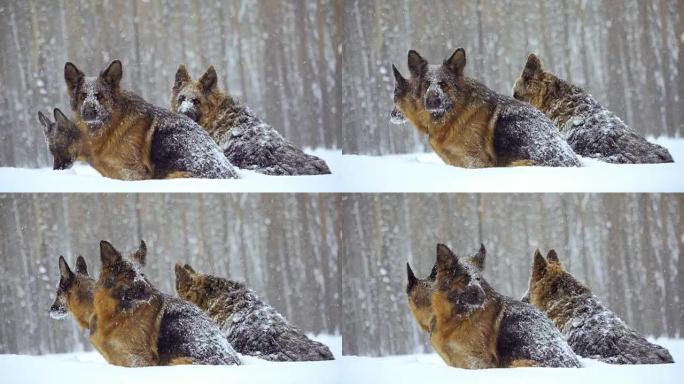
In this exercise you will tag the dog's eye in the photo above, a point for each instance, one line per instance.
(181, 99)
(195, 101)
(442, 84)
(82, 96)
(98, 96)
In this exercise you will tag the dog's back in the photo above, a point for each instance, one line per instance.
(527, 335)
(185, 332)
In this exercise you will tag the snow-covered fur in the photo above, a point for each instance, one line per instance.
(64, 140)
(246, 140)
(469, 125)
(131, 139)
(137, 325)
(591, 329)
(475, 327)
(590, 129)
(253, 327)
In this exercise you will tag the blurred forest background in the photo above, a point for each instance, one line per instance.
(285, 247)
(627, 247)
(282, 58)
(627, 53)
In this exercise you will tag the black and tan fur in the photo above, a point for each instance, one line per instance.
(590, 129)
(75, 293)
(252, 327)
(131, 139)
(246, 140)
(591, 329)
(136, 325)
(473, 326)
(468, 125)
(64, 140)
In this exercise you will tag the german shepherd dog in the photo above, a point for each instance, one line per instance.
(419, 291)
(64, 140)
(468, 125)
(74, 293)
(131, 139)
(473, 326)
(246, 140)
(136, 325)
(591, 130)
(253, 327)
(591, 329)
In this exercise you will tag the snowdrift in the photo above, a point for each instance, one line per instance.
(425, 172)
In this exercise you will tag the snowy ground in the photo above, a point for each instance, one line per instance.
(83, 178)
(412, 369)
(419, 172)
(90, 367)
(425, 172)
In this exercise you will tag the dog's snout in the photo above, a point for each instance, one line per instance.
(516, 95)
(191, 114)
(89, 112)
(432, 100)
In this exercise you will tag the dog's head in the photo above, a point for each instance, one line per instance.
(534, 84)
(94, 99)
(419, 292)
(122, 278)
(199, 288)
(434, 89)
(74, 292)
(460, 283)
(195, 99)
(63, 138)
(549, 281)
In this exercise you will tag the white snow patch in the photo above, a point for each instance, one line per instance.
(83, 178)
(426, 172)
(90, 367)
(429, 368)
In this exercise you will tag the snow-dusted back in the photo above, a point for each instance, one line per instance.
(253, 327)
(595, 332)
(526, 333)
(250, 143)
(593, 131)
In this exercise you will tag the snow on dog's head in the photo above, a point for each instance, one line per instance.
(122, 278)
(94, 99)
(195, 99)
(459, 282)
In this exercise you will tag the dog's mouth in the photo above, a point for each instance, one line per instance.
(94, 125)
(397, 117)
(58, 312)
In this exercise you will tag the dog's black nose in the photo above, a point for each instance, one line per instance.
(432, 100)
(89, 113)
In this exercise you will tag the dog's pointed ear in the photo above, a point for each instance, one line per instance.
(457, 62)
(141, 254)
(81, 266)
(445, 258)
(411, 278)
(60, 118)
(400, 83)
(417, 65)
(64, 270)
(533, 67)
(44, 120)
(209, 79)
(539, 266)
(183, 277)
(189, 269)
(73, 77)
(478, 260)
(108, 254)
(552, 257)
(182, 77)
(112, 75)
